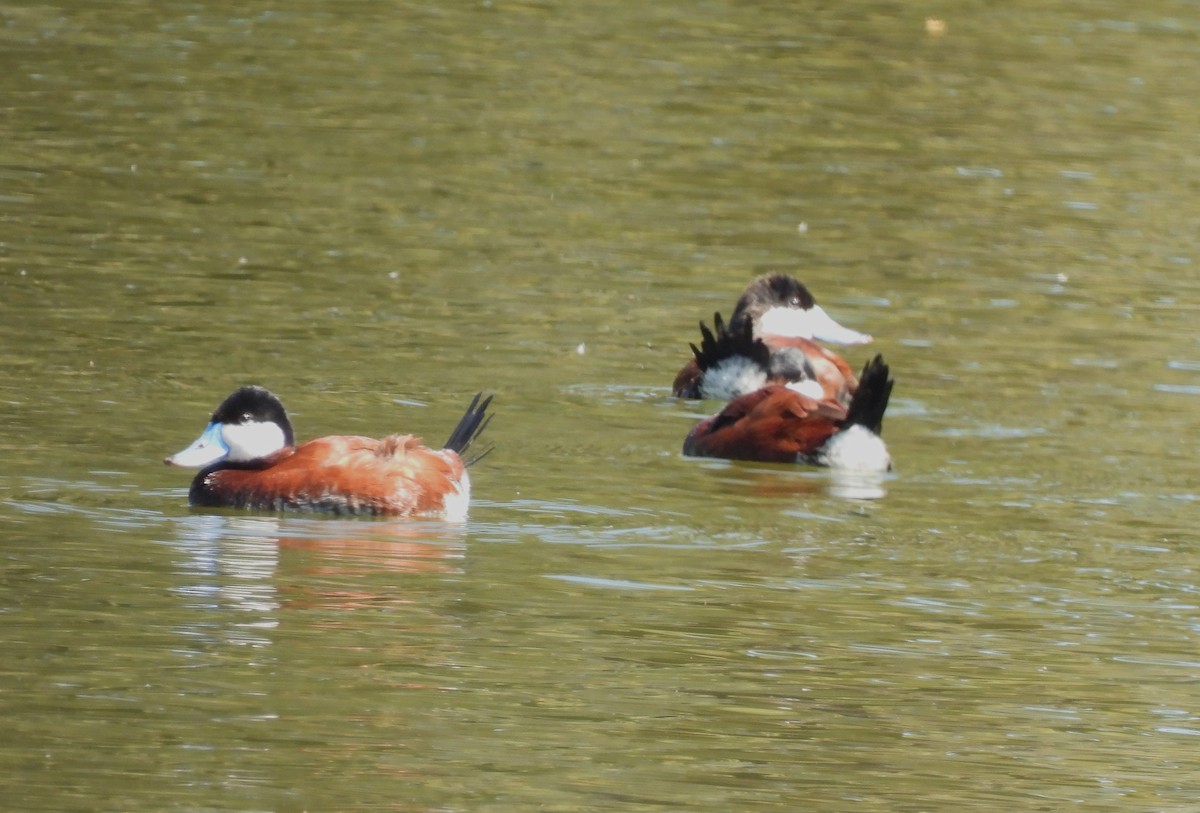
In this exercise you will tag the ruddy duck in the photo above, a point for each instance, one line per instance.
(778, 310)
(731, 362)
(249, 459)
(778, 424)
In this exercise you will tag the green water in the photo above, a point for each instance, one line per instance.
(380, 209)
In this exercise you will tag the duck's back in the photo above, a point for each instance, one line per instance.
(773, 424)
(344, 474)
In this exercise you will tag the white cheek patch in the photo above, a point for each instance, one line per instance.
(251, 441)
(813, 323)
(731, 378)
(791, 322)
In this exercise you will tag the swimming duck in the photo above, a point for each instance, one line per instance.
(731, 362)
(249, 459)
(777, 423)
(781, 312)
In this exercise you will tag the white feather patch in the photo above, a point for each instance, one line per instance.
(731, 378)
(856, 449)
(454, 505)
(808, 387)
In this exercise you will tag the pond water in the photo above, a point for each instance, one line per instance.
(379, 209)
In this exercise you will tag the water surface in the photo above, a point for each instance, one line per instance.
(377, 211)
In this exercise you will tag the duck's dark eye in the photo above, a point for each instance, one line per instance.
(795, 302)
(247, 417)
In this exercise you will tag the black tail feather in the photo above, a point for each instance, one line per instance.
(470, 426)
(871, 398)
(726, 342)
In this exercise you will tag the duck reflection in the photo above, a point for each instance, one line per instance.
(780, 481)
(261, 566)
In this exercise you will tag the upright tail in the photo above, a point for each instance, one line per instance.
(871, 399)
(470, 426)
(728, 342)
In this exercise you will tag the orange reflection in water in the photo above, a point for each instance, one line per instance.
(267, 561)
